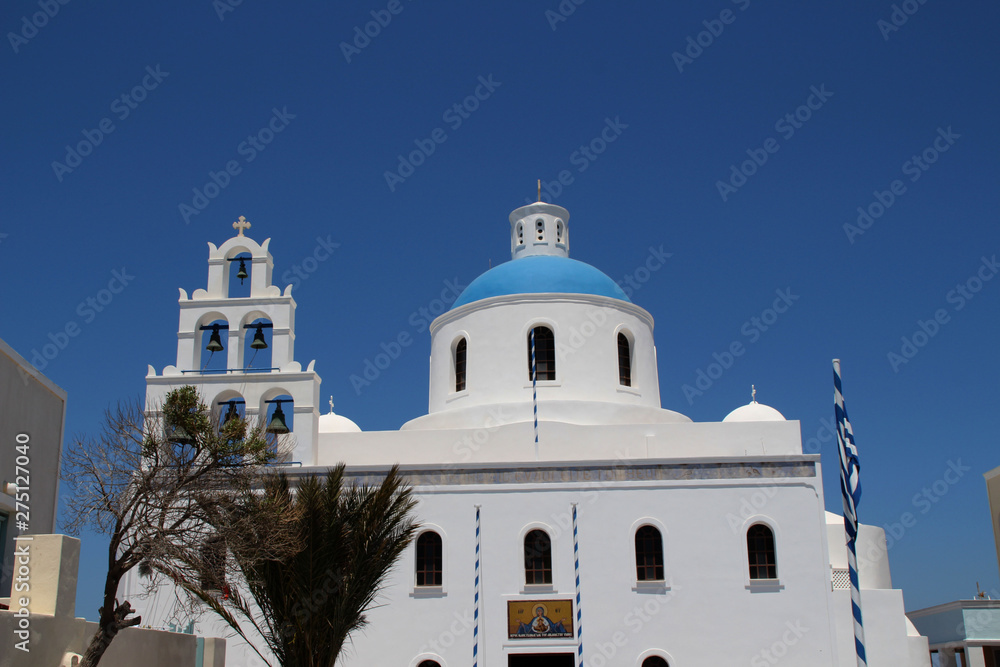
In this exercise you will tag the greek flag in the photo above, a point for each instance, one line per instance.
(850, 486)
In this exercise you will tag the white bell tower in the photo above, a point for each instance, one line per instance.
(250, 383)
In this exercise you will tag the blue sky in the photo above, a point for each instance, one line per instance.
(739, 136)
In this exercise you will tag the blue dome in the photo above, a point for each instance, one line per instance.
(540, 274)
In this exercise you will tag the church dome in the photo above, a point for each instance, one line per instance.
(754, 412)
(541, 274)
(545, 330)
(334, 423)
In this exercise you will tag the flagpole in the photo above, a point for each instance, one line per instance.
(576, 569)
(475, 631)
(534, 389)
(850, 486)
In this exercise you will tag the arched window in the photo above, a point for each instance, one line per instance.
(460, 352)
(540, 229)
(624, 361)
(240, 267)
(230, 408)
(545, 354)
(258, 336)
(429, 559)
(648, 554)
(760, 552)
(537, 558)
(214, 349)
(520, 233)
(654, 661)
(559, 231)
(279, 414)
(428, 663)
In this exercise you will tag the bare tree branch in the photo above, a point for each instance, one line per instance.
(153, 482)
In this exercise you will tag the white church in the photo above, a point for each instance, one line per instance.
(606, 530)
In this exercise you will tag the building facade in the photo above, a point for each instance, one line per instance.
(32, 420)
(565, 515)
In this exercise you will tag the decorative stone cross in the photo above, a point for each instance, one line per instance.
(331, 405)
(241, 224)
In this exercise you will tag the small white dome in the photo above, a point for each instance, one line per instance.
(754, 412)
(333, 423)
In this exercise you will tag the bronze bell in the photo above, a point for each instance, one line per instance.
(180, 435)
(214, 341)
(258, 342)
(242, 273)
(277, 425)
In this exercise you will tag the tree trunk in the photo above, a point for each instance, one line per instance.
(110, 625)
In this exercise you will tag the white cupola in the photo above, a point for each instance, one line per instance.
(754, 411)
(331, 422)
(539, 229)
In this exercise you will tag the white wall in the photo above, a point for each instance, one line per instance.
(706, 616)
(585, 329)
(490, 442)
(890, 639)
(870, 548)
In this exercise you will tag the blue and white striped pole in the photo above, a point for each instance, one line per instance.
(534, 389)
(475, 629)
(576, 568)
(850, 485)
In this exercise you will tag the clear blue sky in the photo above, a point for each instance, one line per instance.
(208, 79)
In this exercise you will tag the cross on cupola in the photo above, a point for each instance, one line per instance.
(240, 225)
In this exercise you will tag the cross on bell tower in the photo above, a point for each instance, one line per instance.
(241, 224)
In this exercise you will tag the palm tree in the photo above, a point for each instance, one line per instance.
(332, 544)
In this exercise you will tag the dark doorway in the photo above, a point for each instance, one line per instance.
(540, 660)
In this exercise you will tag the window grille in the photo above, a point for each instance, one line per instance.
(545, 354)
(841, 578)
(624, 361)
(537, 558)
(760, 552)
(648, 554)
(460, 354)
(429, 559)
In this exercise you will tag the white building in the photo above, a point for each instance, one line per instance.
(643, 537)
(32, 418)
